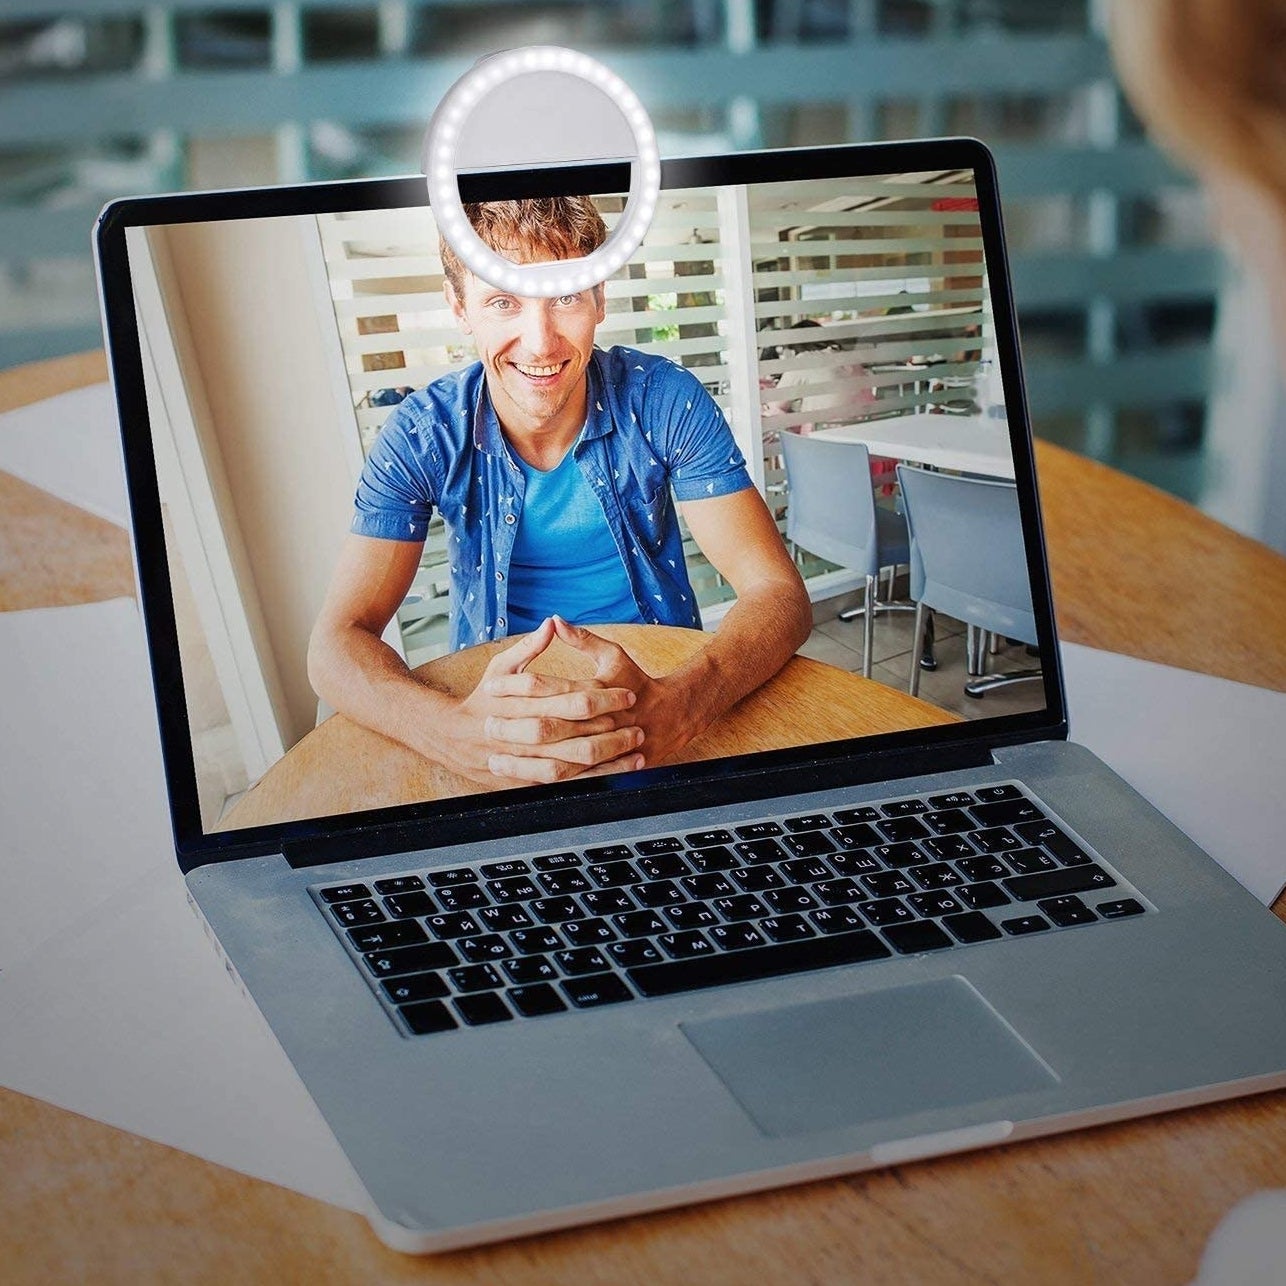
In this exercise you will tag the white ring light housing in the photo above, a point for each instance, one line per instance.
(563, 277)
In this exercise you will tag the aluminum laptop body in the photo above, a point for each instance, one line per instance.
(499, 1129)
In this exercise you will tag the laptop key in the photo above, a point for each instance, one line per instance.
(905, 808)
(556, 861)
(664, 866)
(417, 959)
(455, 875)
(530, 941)
(795, 898)
(561, 883)
(488, 946)
(757, 830)
(848, 816)
(838, 919)
(885, 912)
(517, 888)
(714, 885)
(745, 906)
(1027, 861)
(922, 935)
(478, 977)
(949, 821)
(971, 926)
(609, 875)
(989, 794)
(553, 910)
(607, 901)
(587, 933)
(982, 895)
(953, 799)
(807, 822)
(528, 969)
(861, 836)
(947, 846)
(887, 884)
(500, 919)
(718, 858)
(487, 1007)
(805, 870)
(758, 962)
(1006, 812)
(406, 906)
(1067, 911)
(1022, 924)
(456, 925)
(786, 928)
(659, 893)
(686, 945)
(1053, 839)
(639, 924)
(598, 989)
(416, 986)
(931, 905)
(581, 961)
(461, 897)
(536, 1000)
(609, 853)
(982, 868)
(761, 850)
(937, 875)
(501, 870)
(809, 843)
(399, 884)
(634, 952)
(838, 892)
(856, 863)
(428, 1017)
(998, 839)
(1049, 884)
(350, 914)
(696, 915)
(898, 855)
(662, 844)
(1119, 909)
(734, 937)
(384, 937)
(704, 839)
(344, 893)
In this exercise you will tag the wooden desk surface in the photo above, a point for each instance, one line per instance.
(1132, 1203)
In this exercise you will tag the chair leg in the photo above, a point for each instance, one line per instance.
(868, 626)
(981, 686)
(975, 650)
(917, 650)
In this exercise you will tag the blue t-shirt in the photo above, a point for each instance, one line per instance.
(651, 433)
(564, 559)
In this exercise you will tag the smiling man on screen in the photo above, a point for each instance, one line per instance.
(553, 464)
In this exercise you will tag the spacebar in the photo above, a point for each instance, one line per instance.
(757, 962)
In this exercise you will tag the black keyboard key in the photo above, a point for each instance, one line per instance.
(718, 858)
(761, 850)
(429, 1017)
(982, 868)
(528, 969)
(807, 822)
(887, 884)
(745, 906)
(756, 878)
(736, 937)
(988, 794)
(838, 892)
(599, 989)
(1007, 812)
(659, 893)
(487, 946)
(809, 843)
(981, 896)
(861, 836)
(1027, 861)
(714, 885)
(758, 962)
(757, 830)
(784, 901)
(805, 870)
(351, 914)
(399, 884)
(502, 870)
(530, 941)
(904, 808)
(536, 1000)
(704, 839)
(581, 961)
(456, 925)
(556, 861)
(587, 933)
(855, 863)
(1067, 911)
(639, 924)
(997, 840)
(516, 888)
(415, 987)
(554, 910)
(898, 829)
(610, 875)
(664, 866)
(898, 855)
(1119, 909)
(1022, 924)
(937, 875)
(484, 1008)
(461, 897)
(1052, 884)
(608, 853)
(943, 847)
(931, 905)
(406, 906)
(384, 937)
(1047, 834)
(416, 959)
(662, 844)
(500, 919)
(786, 928)
(971, 926)
(849, 816)
(950, 821)
(886, 911)
(634, 952)
(838, 919)
(686, 945)
(564, 883)
(344, 893)
(478, 977)
(693, 915)
(954, 799)
(922, 935)
(608, 901)
(455, 875)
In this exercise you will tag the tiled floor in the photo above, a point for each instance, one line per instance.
(839, 643)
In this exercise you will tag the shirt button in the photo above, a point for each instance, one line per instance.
(500, 575)
(510, 519)
(500, 621)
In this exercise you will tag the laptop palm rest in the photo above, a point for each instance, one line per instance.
(858, 1059)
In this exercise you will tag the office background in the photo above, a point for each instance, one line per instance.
(1144, 348)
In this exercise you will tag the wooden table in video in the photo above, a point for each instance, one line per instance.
(1129, 1203)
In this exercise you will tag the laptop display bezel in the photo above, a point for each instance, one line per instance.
(536, 809)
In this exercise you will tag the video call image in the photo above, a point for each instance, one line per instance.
(428, 538)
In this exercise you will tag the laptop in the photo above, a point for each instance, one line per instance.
(859, 929)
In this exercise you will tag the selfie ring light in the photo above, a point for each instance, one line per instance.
(554, 78)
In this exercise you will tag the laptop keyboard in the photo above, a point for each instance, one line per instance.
(609, 924)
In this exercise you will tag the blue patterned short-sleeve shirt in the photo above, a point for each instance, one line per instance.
(652, 434)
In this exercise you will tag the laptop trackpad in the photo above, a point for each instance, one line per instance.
(832, 1063)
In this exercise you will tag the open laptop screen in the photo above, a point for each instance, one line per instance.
(312, 381)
